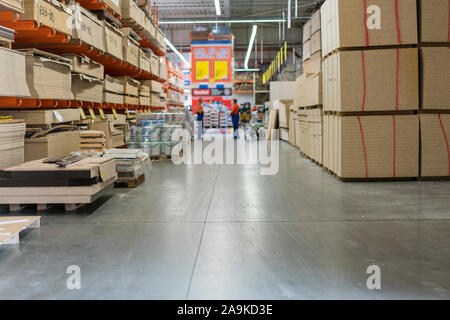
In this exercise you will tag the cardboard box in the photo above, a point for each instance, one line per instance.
(15, 5)
(313, 65)
(344, 26)
(435, 155)
(145, 100)
(154, 64)
(316, 43)
(48, 75)
(131, 12)
(131, 100)
(308, 90)
(144, 62)
(50, 145)
(112, 97)
(434, 20)
(346, 90)
(154, 86)
(86, 66)
(155, 99)
(315, 22)
(114, 5)
(435, 78)
(50, 13)
(113, 41)
(131, 51)
(282, 90)
(85, 88)
(144, 90)
(86, 27)
(307, 31)
(13, 80)
(113, 137)
(306, 50)
(44, 117)
(114, 85)
(130, 86)
(113, 90)
(162, 71)
(366, 146)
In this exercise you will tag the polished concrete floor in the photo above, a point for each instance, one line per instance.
(226, 232)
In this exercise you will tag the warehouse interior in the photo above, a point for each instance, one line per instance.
(224, 150)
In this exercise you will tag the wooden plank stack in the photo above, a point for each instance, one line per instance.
(435, 94)
(91, 140)
(12, 142)
(41, 183)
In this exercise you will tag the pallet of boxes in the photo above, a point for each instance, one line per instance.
(131, 166)
(370, 90)
(284, 113)
(434, 69)
(308, 97)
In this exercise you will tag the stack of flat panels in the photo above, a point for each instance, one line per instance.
(12, 141)
(37, 182)
(131, 164)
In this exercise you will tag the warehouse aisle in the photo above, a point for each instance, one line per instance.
(206, 232)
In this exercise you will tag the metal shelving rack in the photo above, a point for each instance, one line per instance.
(31, 34)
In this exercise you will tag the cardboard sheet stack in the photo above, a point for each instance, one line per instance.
(12, 135)
(435, 94)
(306, 132)
(41, 183)
(357, 143)
(131, 164)
(48, 132)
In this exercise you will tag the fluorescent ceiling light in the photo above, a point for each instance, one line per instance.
(250, 45)
(217, 4)
(223, 21)
(177, 52)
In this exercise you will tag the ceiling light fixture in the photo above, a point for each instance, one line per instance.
(250, 45)
(217, 4)
(178, 53)
(225, 21)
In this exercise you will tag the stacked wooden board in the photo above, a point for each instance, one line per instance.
(91, 140)
(41, 183)
(12, 141)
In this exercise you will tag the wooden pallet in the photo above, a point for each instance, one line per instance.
(10, 227)
(130, 183)
(161, 158)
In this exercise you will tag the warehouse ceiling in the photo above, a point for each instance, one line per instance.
(272, 35)
(205, 9)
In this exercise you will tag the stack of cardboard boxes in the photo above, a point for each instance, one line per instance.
(308, 94)
(435, 94)
(371, 129)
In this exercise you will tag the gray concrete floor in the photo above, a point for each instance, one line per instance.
(226, 232)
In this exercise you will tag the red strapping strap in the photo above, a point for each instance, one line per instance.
(365, 23)
(395, 147)
(364, 145)
(363, 58)
(446, 141)
(397, 79)
(397, 20)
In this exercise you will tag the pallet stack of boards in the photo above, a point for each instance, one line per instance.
(131, 165)
(43, 184)
(12, 142)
